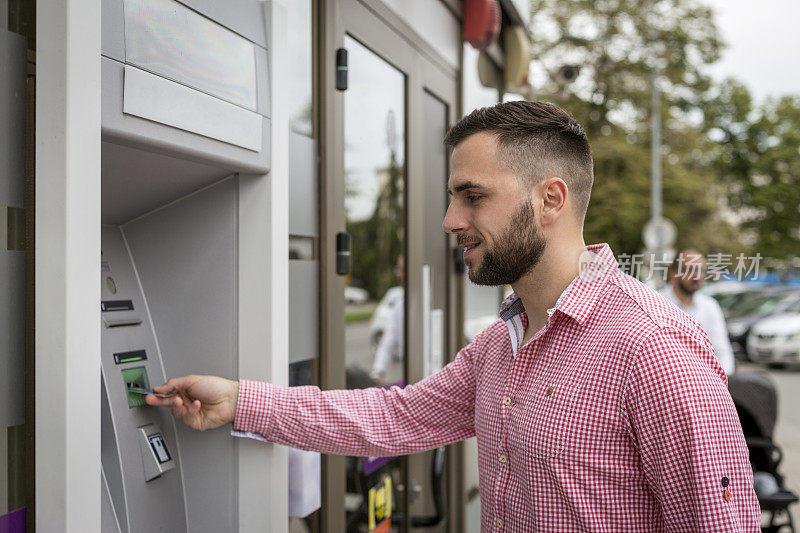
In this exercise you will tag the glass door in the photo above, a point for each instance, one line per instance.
(374, 207)
(389, 320)
(374, 204)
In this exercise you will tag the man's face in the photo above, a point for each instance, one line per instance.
(492, 214)
(691, 272)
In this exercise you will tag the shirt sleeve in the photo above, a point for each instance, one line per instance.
(689, 437)
(372, 422)
(719, 338)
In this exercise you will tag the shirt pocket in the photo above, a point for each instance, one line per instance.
(544, 421)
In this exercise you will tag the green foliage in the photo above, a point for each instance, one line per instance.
(758, 159)
(619, 43)
(377, 242)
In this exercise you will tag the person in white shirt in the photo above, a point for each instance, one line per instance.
(391, 344)
(686, 276)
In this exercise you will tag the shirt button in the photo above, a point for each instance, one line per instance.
(503, 459)
(506, 401)
(549, 391)
(499, 522)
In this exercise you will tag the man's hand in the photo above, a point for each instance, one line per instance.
(202, 402)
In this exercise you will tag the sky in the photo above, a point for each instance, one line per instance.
(763, 41)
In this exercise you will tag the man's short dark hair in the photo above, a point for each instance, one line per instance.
(679, 263)
(535, 140)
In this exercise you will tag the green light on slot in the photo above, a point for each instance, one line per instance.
(135, 377)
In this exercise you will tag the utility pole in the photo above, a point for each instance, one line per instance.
(655, 143)
(659, 233)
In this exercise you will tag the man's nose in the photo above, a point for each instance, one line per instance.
(454, 221)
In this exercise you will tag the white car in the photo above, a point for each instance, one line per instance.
(775, 339)
(355, 295)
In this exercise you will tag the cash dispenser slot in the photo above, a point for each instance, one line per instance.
(121, 322)
(116, 321)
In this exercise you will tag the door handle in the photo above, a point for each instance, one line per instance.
(342, 253)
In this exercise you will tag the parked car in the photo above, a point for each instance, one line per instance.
(729, 293)
(382, 315)
(742, 316)
(355, 295)
(775, 340)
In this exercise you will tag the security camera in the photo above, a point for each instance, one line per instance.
(566, 74)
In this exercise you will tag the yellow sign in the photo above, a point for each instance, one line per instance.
(380, 506)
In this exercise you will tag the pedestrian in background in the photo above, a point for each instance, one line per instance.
(686, 276)
(390, 347)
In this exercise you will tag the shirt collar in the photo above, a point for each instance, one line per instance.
(580, 297)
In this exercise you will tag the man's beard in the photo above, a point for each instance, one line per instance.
(517, 250)
(685, 288)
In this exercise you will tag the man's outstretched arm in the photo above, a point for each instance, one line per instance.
(366, 422)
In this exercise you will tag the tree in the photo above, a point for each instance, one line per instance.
(618, 44)
(757, 158)
(378, 240)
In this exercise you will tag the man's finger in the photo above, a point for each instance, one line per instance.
(171, 386)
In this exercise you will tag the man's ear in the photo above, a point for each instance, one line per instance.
(554, 192)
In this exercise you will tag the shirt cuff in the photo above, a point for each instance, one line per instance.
(254, 408)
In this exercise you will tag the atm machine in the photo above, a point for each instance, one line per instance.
(185, 131)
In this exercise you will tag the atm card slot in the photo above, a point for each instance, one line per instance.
(130, 357)
(116, 305)
(120, 322)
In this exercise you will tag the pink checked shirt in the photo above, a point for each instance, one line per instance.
(614, 417)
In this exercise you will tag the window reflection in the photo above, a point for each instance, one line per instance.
(374, 160)
(374, 207)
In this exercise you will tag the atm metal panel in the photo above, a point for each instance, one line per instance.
(156, 505)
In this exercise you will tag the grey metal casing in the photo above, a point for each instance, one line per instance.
(165, 190)
(304, 274)
(141, 505)
(186, 259)
(246, 20)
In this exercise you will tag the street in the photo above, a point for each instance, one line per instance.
(787, 429)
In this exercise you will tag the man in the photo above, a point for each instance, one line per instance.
(686, 275)
(597, 405)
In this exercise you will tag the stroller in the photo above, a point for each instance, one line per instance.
(756, 403)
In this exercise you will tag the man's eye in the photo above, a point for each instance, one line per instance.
(472, 198)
